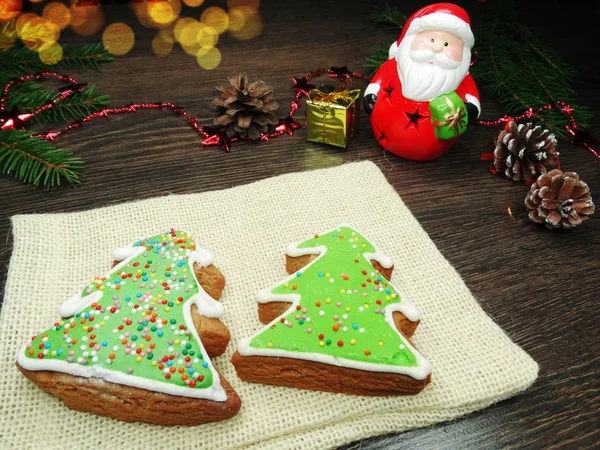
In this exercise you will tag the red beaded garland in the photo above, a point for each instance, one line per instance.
(210, 135)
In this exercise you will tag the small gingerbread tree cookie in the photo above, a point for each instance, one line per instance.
(336, 324)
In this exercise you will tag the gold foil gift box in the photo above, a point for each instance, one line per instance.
(332, 115)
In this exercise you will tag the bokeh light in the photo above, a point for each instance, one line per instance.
(86, 20)
(207, 37)
(35, 1)
(162, 44)
(35, 32)
(57, 13)
(193, 3)
(161, 13)
(209, 58)
(216, 18)
(79, 14)
(24, 19)
(51, 54)
(191, 27)
(244, 23)
(9, 9)
(118, 38)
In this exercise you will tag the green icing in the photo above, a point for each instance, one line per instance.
(339, 289)
(137, 327)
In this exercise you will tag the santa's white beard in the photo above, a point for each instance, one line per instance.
(422, 81)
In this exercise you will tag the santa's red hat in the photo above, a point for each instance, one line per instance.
(440, 16)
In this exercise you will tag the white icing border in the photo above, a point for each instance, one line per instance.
(207, 306)
(420, 372)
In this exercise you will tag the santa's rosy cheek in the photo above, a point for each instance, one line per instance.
(453, 52)
(421, 43)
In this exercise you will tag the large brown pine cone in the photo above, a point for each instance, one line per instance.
(245, 109)
(523, 151)
(559, 200)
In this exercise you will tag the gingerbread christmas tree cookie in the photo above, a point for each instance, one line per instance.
(336, 324)
(136, 343)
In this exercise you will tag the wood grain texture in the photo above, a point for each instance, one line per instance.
(539, 286)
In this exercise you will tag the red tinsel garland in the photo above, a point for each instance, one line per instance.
(211, 135)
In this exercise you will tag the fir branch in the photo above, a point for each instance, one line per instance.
(35, 161)
(517, 69)
(391, 17)
(19, 60)
(29, 96)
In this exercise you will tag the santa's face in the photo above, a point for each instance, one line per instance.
(431, 63)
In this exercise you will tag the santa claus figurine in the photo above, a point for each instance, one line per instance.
(423, 97)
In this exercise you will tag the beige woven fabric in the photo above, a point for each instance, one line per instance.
(246, 228)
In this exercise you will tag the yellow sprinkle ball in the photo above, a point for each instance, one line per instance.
(167, 308)
(322, 343)
(347, 309)
(352, 341)
(269, 344)
(327, 300)
(154, 363)
(102, 323)
(327, 275)
(286, 285)
(380, 343)
(139, 359)
(53, 353)
(364, 246)
(394, 296)
(342, 291)
(177, 342)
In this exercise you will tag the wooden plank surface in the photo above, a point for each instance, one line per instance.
(539, 286)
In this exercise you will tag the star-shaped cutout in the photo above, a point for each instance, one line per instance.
(216, 136)
(287, 125)
(383, 141)
(389, 89)
(302, 85)
(414, 118)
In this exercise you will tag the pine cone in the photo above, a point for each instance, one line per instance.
(245, 109)
(523, 152)
(560, 200)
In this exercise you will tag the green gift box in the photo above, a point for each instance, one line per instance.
(332, 115)
(448, 115)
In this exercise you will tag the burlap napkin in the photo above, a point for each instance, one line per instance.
(246, 228)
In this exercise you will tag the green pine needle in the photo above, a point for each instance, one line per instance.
(34, 160)
(30, 95)
(521, 73)
(391, 17)
(19, 60)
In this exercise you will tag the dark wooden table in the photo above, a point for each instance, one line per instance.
(539, 286)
